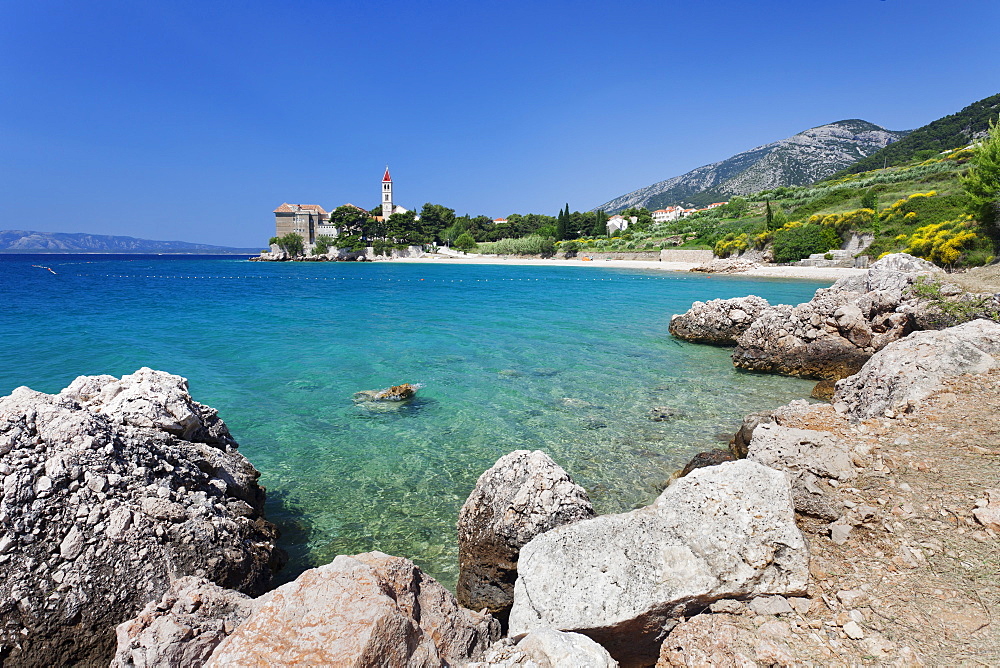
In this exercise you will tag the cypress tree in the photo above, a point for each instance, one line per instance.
(561, 224)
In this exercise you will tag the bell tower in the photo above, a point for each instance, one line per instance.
(386, 194)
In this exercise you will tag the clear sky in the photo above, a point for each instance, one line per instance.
(192, 120)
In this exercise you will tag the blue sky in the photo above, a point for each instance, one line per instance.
(194, 120)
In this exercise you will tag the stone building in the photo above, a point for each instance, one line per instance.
(303, 219)
(311, 220)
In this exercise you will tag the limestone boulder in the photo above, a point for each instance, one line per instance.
(719, 321)
(546, 648)
(183, 628)
(740, 443)
(722, 531)
(524, 494)
(833, 335)
(910, 370)
(367, 610)
(811, 459)
(111, 490)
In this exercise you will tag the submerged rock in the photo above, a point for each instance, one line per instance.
(722, 531)
(111, 490)
(403, 392)
(371, 609)
(522, 495)
(707, 458)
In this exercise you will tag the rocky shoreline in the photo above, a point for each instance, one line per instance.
(831, 540)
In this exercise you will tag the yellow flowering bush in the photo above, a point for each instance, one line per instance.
(729, 244)
(942, 243)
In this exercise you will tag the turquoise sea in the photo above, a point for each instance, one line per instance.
(569, 360)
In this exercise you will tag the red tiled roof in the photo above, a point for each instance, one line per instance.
(290, 208)
(386, 177)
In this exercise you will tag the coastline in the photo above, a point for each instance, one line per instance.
(804, 273)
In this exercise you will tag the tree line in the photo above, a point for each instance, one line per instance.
(358, 229)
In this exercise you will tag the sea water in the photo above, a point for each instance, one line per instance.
(572, 360)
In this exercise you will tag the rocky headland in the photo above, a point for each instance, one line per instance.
(841, 327)
(112, 489)
(863, 531)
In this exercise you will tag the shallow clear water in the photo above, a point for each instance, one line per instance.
(569, 360)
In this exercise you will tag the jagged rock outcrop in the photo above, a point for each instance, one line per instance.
(183, 628)
(546, 648)
(910, 370)
(522, 495)
(834, 334)
(719, 321)
(811, 459)
(111, 489)
(371, 609)
(722, 531)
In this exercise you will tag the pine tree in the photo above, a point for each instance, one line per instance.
(982, 183)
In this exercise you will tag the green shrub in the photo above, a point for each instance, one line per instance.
(956, 310)
(529, 245)
(794, 243)
(291, 243)
(323, 244)
(465, 242)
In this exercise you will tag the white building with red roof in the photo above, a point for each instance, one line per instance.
(667, 214)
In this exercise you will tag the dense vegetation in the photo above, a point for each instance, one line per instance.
(942, 205)
(950, 132)
(924, 208)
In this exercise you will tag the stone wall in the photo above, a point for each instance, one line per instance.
(652, 256)
(682, 255)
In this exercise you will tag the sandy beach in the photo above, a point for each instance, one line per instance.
(808, 273)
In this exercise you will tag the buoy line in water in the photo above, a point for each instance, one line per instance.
(375, 280)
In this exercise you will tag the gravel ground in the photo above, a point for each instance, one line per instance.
(917, 581)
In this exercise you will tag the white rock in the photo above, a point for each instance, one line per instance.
(910, 370)
(722, 531)
(807, 456)
(551, 648)
(522, 495)
(853, 631)
(72, 545)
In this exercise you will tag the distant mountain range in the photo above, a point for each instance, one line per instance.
(26, 241)
(798, 160)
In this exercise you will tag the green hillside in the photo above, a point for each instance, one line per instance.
(919, 208)
(952, 131)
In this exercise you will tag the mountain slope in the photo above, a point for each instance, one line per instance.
(27, 241)
(952, 131)
(798, 160)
